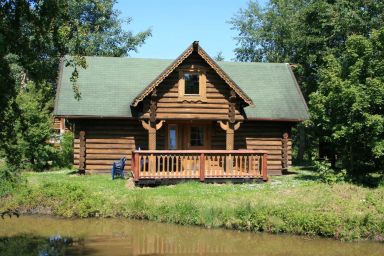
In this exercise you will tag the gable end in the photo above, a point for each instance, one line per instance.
(194, 47)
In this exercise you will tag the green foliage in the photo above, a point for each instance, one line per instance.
(9, 179)
(348, 105)
(65, 154)
(62, 198)
(327, 174)
(34, 37)
(7, 182)
(337, 49)
(33, 126)
(219, 56)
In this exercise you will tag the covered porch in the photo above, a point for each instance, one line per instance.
(188, 153)
(155, 166)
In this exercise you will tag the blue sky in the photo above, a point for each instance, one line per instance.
(177, 23)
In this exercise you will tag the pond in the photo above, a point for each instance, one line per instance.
(36, 235)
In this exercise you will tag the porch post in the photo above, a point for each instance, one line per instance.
(229, 129)
(231, 126)
(152, 127)
(152, 136)
(284, 151)
(82, 155)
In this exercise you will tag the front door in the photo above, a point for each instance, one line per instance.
(196, 136)
(188, 136)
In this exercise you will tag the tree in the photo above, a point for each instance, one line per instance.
(34, 36)
(219, 56)
(302, 32)
(306, 33)
(348, 105)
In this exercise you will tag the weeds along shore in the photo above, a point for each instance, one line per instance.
(295, 204)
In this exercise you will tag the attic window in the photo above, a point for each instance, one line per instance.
(192, 83)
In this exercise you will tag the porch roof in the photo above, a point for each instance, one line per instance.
(109, 85)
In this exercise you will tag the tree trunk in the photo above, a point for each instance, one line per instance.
(302, 144)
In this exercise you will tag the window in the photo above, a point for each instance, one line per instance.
(197, 136)
(55, 136)
(172, 137)
(192, 83)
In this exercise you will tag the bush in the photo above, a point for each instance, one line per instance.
(64, 154)
(9, 179)
(327, 175)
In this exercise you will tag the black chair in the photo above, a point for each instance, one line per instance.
(118, 168)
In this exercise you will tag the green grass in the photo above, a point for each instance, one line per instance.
(296, 203)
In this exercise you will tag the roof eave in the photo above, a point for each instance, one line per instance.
(212, 63)
(58, 85)
(162, 76)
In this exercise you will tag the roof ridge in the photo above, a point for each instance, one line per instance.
(170, 59)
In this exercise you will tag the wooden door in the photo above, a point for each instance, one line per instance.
(188, 136)
(197, 136)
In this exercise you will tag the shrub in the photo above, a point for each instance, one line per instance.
(9, 179)
(327, 175)
(64, 154)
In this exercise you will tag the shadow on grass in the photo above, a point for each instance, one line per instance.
(73, 172)
(370, 180)
(309, 173)
(303, 173)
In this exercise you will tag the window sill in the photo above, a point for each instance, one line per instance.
(192, 98)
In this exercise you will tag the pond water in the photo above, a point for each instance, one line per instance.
(34, 235)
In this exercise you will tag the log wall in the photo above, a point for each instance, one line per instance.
(109, 140)
(260, 135)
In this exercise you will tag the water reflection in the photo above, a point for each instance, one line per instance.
(34, 245)
(49, 236)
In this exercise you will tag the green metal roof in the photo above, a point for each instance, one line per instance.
(109, 84)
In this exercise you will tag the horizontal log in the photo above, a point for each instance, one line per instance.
(110, 146)
(200, 110)
(192, 105)
(99, 167)
(108, 122)
(105, 167)
(263, 142)
(130, 132)
(200, 116)
(104, 156)
(209, 96)
(104, 162)
(109, 133)
(209, 100)
(210, 88)
(105, 151)
(109, 140)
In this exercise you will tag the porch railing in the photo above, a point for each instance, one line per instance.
(199, 164)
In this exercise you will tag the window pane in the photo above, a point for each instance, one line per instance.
(191, 83)
(197, 136)
(172, 137)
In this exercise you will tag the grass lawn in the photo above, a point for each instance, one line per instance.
(295, 203)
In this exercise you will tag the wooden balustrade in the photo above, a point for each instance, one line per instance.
(199, 164)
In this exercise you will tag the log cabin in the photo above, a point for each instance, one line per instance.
(188, 118)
